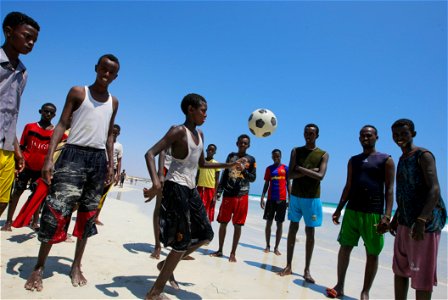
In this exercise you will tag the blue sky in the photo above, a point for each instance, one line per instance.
(338, 64)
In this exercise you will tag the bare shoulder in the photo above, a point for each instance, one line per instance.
(76, 94)
(115, 102)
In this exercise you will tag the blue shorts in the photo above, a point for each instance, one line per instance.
(309, 208)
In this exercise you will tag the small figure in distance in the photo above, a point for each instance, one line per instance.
(276, 183)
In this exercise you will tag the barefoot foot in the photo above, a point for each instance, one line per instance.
(155, 296)
(232, 257)
(308, 278)
(77, 278)
(276, 252)
(285, 271)
(216, 254)
(188, 257)
(34, 282)
(98, 222)
(267, 249)
(6, 227)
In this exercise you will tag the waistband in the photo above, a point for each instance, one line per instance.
(84, 148)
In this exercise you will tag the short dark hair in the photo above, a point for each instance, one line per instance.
(109, 56)
(48, 104)
(243, 136)
(117, 126)
(404, 122)
(277, 150)
(192, 99)
(313, 125)
(369, 126)
(15, 18)
(212, 145)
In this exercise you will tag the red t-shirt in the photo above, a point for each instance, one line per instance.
(34, 143)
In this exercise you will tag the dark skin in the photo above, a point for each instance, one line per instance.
(107, 71)
(243, 144)
(367, 138)
(296, 171)
(276, 157)
(18, 40)
(176, 139)
(47, 114)
(403, 136)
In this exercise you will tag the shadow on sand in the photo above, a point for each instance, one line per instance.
(140, 285)
(251, 246)
(23, 266)
(141, 247)
(266, 267)
(317, 288)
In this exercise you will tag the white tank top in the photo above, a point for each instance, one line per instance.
(183, 171)
(90, 122)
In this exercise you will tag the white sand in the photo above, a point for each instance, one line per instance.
(117, 263)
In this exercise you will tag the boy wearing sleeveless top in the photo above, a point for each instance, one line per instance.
(81, 170)
(419, 218)
(307, 168)
(368, 191)
(184, 225)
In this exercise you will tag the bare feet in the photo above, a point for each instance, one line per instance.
(156, 253)
(232, 257)
(98, 222)
(216, 254)
(188, 257)
(6, 227)
(171, 280)
(267, 249)
(285, 271)
(364, 295)
(154, 296)
(277, 252)
(77, 278)
(34, 282)
(35, 227)
(308, 278)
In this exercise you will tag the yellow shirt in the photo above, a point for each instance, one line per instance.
(207, 176)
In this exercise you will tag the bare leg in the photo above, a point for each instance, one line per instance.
(76, 274)
(291, 242)
(35, 222)
(236, 239)
(278, 237)
(369, 275)
(2, 207)
(222, 236)
(308, 253)
(422, 295)
(155, 221)
(13, 200)
(343, 262)
(267, 233)
(34, 281)
(401, 286)
(97, 217)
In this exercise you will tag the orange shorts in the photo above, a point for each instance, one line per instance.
(235, 209)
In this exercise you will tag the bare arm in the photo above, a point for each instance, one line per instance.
(18, 156)
(110, 145)
(316, 174)
(428, 166)
(74, 99)
(345, 193)
(384, 223)
(265, 189)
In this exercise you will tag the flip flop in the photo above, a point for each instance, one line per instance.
(332, 293)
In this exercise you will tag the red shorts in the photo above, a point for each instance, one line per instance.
(207, 195)
(236, 206)
(416, 259)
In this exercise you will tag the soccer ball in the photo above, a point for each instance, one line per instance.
(262, 122)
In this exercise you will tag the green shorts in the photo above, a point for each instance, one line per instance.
(357, 224)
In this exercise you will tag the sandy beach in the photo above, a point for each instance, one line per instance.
(117, 261)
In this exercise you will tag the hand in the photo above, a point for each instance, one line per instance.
(418, 230)
(151, 193)
(336, 216)
(20, 163)
(116, 179)
(393, 225)
(47, 171)
(262, 203)
(109, 176)
(383, 226)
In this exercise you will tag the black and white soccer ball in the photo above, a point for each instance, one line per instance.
(262, 122)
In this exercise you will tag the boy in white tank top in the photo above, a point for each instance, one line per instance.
(81, 170)
(184, 225)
